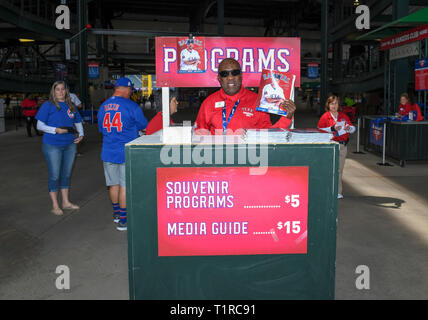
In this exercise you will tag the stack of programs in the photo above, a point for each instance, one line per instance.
(278, 135)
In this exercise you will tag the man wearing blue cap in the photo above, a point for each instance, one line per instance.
(119, 120)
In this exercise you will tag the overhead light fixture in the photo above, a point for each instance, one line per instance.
(356, 3)
(26, 40)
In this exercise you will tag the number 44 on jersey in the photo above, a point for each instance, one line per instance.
(115, 123)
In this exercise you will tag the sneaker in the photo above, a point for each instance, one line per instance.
(340, 196)
(121, 226)
(116, 218)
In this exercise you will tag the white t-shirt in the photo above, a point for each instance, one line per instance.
(74, 99)
(187, 56)
(271, 92)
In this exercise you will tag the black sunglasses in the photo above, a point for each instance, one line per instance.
(225, 73)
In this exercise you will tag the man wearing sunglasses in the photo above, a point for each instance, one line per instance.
(233, 107)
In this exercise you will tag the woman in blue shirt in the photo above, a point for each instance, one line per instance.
(58, 118)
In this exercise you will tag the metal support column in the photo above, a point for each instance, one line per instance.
(400, 8)
(82, 9)
(220, 14)
(324, 54)
(383, 163)
(425, 92)
(385, 83)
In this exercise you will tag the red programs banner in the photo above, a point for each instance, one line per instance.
(405, 37)
(254, 55)
(226, 211)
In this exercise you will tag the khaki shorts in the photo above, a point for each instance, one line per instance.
(114, 174)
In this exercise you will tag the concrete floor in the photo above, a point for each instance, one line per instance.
(382, 223)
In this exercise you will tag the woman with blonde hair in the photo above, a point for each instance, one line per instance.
(339, 124)
(59, 120)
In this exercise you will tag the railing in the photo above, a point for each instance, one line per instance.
(363, 65)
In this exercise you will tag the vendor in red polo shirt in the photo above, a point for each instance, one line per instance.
(233, 107)
(29, 110)
(338, 123)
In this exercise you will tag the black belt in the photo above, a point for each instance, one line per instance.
(344, 142)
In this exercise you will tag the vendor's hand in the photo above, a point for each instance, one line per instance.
(61, 131)
(290, 107)
(337, 127)
(347, 127)
(77, 140)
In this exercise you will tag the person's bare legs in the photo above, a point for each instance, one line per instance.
(122, 197)
(55, 206)
(114, 193)
(66, 204)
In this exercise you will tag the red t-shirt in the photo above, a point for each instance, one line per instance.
(210, 116)
(29, 107)
(327, 121)
(155, 124)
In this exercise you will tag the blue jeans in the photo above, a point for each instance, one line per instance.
(60, 162)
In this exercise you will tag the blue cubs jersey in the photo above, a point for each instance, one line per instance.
(51, 116)
(119, 120)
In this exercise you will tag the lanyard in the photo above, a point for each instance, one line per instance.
(232, 113)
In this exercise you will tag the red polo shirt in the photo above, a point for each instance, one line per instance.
(210, 116)
(327, 121)
(404, 111)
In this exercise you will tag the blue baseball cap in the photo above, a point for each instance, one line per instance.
(124, 82)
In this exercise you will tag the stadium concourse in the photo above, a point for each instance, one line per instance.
(382, 223)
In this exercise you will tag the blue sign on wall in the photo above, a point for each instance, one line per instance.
(93, 70)
(312, 70)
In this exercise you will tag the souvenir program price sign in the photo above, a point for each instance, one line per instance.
(226, 211)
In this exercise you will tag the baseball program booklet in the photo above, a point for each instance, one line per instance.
(191, 55)
(275, 87)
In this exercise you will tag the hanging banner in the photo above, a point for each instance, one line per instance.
(212, 211)
(421, 74)
(403, 38)
(147, 85)
(376, 133)
(312, 70)
(93, 70)
(253, 53)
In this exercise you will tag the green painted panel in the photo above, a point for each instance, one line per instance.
(292, 276)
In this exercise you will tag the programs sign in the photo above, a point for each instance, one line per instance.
(254, 55)
(226, 211)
